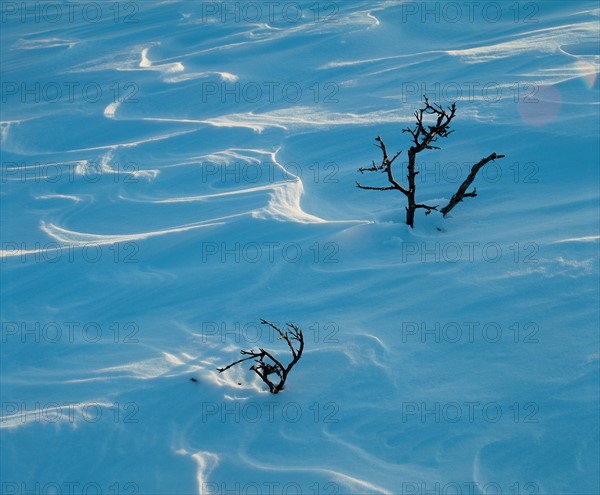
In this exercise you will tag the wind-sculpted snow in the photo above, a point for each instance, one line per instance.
(166, 183)
(296, 118)
(69, 237)
(546, 40)
(36, 44)
(282, 199)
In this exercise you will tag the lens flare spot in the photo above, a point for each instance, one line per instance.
(589, 73)
(540, 106)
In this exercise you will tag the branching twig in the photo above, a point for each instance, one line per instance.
(386, 166)
(262, 368)
(422, 138)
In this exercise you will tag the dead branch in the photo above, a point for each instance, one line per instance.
(386, 166)
(422, 137)
(462, 190)
(428, 208)
(263, 368)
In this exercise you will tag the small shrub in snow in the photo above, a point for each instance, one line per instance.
(423, 136)
(267, 364)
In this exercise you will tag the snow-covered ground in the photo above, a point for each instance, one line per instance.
(173, 171)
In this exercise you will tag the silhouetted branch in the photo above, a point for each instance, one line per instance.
(262, 368)
(462, 190)
(428, 208)
(375, 188)
(386, 166)
(422, 137)
(252, 356)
